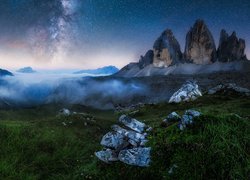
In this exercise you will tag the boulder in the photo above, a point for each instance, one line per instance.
(132, 123)
(172, 117)
(188, 92)
(107, 155)
(225, 88)
(136, 156)
(200, 47)
(193, 113)
(113, 140)
(137, 137)
(230, 47)
(188, 118)
(167, 50)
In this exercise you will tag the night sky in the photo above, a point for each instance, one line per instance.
(94, 33)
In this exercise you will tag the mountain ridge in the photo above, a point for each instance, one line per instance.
(103, 70)
(200, 50)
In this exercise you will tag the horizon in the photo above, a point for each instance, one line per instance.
(75, 35)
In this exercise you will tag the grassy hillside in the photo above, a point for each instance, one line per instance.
(37, 144)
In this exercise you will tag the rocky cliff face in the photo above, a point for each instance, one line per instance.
(147, 59)
(230, 47)
(200, 47)
(200, 55)
(166, 50)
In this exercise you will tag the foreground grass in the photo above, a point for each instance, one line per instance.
(36, 144)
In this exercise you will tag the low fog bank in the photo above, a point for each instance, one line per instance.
(27, 90)
(103, 92)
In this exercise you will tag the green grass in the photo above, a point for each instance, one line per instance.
(34, 143)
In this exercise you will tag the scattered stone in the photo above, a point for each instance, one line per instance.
(132, 123)
(113, 140)
(63, 123)
(64, 112)
(149, 129)
(193, 113)
(172, 168)
(186, 119)
(107, 155)
(172, 117)
(224, 88)
(135, 156)
(188, 92)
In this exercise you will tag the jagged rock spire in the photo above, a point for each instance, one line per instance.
(230, 47)
(200, 47)
(166, 50)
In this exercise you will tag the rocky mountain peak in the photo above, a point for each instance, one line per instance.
(230, 47)
(200, 47)
(166, 50)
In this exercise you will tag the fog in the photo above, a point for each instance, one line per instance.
(27, 90)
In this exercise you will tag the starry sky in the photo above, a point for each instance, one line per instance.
(80, 34)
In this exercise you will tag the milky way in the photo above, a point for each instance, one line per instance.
(55, 40)
(95, 33)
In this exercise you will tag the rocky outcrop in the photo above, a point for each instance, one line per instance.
(187, 118)
(200, 47)
(124, 145)
(231, 48)
(227, 88)
(166, 50)
(188, 92)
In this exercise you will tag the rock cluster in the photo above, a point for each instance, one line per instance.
(230, 47)
(225, 88)
(200, 47)
(188, 92)
(167, 50)
(127, 146)
(186, 119)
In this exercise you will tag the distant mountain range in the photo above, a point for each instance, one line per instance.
(107, 70)
(26, 70)
(4, 72)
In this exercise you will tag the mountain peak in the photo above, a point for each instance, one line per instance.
(26, 70)
(106, 70)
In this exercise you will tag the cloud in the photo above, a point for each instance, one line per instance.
(30, 90)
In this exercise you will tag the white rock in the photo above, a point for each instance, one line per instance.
(136, 156)
(132, 123)
(65, 112)
(137, 137)
(107, 155)
(112, 140)
(188, 92)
